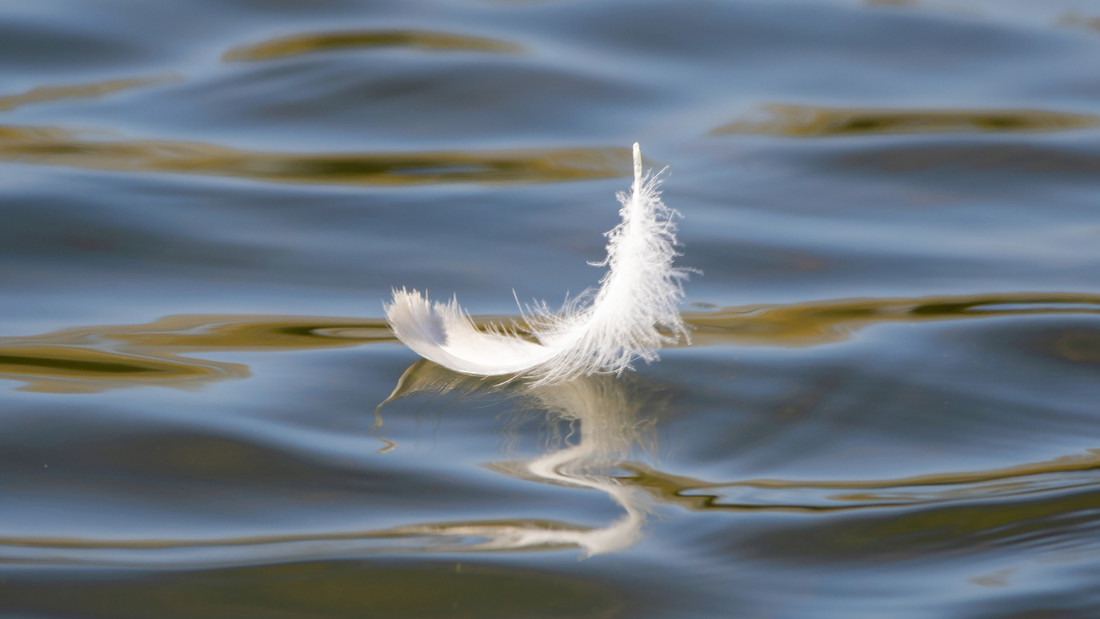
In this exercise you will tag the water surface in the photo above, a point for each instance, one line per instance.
(889, 405)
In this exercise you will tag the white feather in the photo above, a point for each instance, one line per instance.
(631, 314)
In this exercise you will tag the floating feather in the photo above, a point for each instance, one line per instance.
(631, 314)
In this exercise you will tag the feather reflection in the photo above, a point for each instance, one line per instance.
(607, 412)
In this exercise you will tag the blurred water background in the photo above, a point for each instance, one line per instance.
(889, 407)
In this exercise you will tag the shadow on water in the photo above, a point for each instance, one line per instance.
(163, 353)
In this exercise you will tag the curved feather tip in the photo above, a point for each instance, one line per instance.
(631, 314)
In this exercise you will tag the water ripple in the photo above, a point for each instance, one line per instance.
(1070, 472)
(90, 359)
(813, 121)
(59, 146)
(299, 44)
(42, 94)
(806, 324)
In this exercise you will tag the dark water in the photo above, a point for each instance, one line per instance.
(889, 407)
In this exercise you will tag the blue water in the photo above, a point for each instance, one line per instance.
(889, 407)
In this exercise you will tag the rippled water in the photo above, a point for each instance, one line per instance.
(889, 407)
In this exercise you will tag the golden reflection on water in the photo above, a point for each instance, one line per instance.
(810, 121)
(300, 44)
(58, 146)
(844, 495)
(104, 150)
(98, 358)
(815, 323)
(43, 94)
(1079, 20)
(93, 359)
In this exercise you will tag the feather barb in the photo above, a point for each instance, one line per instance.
(632, 313)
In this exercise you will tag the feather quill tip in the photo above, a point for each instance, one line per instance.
(632, 313)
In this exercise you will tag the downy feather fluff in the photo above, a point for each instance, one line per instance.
(631, 314)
